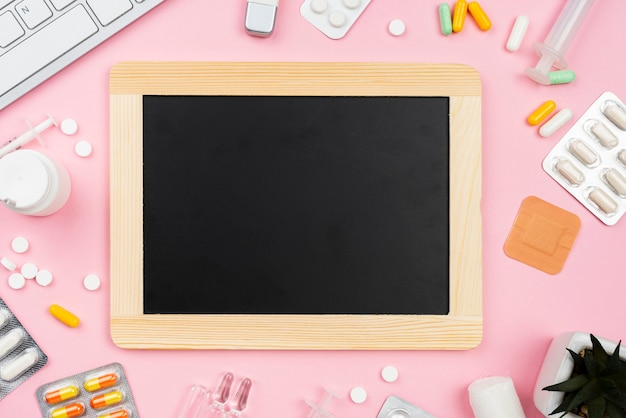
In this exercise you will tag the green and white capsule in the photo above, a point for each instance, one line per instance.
(561, 77)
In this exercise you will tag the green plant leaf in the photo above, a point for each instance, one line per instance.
(585, 394)
(596, 407)
(599, 354)
(579, 362)
(570, 385)
(614, 411)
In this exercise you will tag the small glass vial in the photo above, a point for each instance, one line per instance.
(31, 183)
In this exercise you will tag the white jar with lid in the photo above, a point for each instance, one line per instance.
(31, 183)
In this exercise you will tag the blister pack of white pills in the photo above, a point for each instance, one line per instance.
(20, 356)
(590, 160)
(395, 407)
(333, 17)
(99, 393)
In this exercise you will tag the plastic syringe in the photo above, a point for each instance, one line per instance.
(32, 133)
(552, 50)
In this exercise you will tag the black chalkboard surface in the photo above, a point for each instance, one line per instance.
(259, 204)
(295, 206)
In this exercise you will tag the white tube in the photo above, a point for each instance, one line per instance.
(495, 397)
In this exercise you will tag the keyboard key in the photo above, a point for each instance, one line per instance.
(33, 12)
(108, 10)
(61, 4)
(45, 46)
(10, 29)
(4, 3)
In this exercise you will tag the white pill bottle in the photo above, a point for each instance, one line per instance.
(32, 183)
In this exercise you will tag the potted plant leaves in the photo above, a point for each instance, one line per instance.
(582, 376)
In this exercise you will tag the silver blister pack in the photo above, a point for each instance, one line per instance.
(20, 356)
(395, 407)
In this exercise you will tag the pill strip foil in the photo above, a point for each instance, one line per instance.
(27, 343)
(84, 397)
(593, 175)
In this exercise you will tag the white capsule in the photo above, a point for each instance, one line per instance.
(603, 201)
(616, 181)
(517, 33)
(616, 114)
(572, 174)
(582, 151)
(10, 341)
(555, 122)
(622, 156)
(14, 369)
(602, 134)
(5, 315)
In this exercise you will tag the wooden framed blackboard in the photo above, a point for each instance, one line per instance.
(295, 206)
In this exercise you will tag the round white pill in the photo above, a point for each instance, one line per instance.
(16, 281)
(389, 374)
(69, 126)
(20, 245)
(396, 27)
(337, 19)
(352, 4)
(319, 6)
(91, 282)
(29, 271)
(83, 149)
(43, 278)
(358, 395)
(8, 264)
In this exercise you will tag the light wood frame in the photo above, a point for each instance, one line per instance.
(131, 328)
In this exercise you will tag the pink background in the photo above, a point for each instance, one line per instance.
(524, 308)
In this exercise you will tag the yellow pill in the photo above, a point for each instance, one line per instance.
(479, 15)
(541, 113)
(64, 316)
(458, 15)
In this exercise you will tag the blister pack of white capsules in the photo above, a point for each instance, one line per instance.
(590, 160)
(20, 356)
(333, 17)
(99, 393)
(395, 407)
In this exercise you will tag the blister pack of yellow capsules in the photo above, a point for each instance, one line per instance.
(100, 393)
(20, 356)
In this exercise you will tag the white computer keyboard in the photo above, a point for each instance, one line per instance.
(38, 38)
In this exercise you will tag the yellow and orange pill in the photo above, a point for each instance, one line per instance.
(458, 15)
(69, 411)
(479, 15)
(121, 413)
(100, 382)
(106, 399)
(541, 113)
(64, 316)
(62, 394)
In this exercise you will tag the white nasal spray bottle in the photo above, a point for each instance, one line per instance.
(31, 183)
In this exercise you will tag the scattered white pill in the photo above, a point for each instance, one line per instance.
(337, 19)
(389, 374)
(358, 395)
(517, 33)
(69, 126)
(91, 282)
(555, 123)
(16, 281)
(43, 278)
(8, 264)
(83, 149)
(20, 245)
(396, 27)
(319, 6)
(29, 271)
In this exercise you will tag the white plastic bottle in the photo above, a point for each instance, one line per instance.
(31, 183)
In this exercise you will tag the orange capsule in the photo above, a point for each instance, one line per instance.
(106, 399)
(120, 413)
(458, 15)
(69, 411)
(479, 15)
(541, 113)
(60, 395)
(101, 382)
